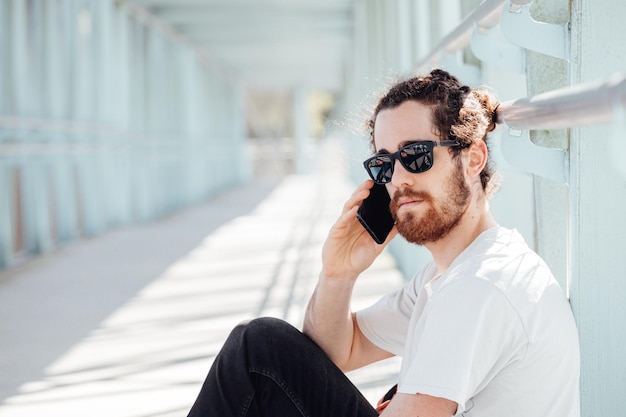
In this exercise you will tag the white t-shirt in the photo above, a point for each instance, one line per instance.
(494, 333)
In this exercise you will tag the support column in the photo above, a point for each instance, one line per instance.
(4, 57)
(6, 229)
(422, 28)
(302, 132)
(405, 36)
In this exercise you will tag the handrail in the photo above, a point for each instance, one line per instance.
(485, 16)
(578, 105)
(566, 107)
(52, 125)
(82, 130)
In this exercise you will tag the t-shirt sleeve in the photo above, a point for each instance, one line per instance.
(468, 332)
(386, 322)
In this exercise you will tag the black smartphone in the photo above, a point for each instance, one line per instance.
(374, 214)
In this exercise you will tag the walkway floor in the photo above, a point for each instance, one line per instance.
(127, 324)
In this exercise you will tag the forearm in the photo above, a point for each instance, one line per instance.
(348, 251)
(328, 320)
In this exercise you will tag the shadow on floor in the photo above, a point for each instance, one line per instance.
(50, 303)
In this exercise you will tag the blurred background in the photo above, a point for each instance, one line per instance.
(170, 167)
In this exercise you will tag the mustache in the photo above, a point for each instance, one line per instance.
(410, 194)
(406, 194)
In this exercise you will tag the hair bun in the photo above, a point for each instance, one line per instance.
(489, 102)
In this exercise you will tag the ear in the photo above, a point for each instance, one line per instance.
(477, 158)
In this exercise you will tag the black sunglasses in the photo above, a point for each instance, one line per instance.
(415, 158)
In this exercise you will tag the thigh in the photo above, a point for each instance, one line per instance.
(286, 365)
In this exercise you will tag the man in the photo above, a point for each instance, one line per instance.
(484, 330)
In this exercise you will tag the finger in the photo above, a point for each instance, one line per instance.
(347, 219)
(358, 195)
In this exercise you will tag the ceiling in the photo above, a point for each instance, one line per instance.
(268, 44)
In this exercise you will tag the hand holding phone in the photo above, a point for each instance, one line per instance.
(374, 214)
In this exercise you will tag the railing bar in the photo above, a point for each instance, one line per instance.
(29, 125)
(486, 16)
(50, 125)
(579, 105)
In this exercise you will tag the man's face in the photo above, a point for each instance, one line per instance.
(425, 206)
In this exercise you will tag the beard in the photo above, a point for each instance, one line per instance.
(438, 220)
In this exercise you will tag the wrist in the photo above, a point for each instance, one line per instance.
(339, 278)
(333, 296)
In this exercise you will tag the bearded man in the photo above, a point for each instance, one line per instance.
(483, 330)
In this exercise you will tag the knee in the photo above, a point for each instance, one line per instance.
(259, 339)
(266, 329)
(267, 343)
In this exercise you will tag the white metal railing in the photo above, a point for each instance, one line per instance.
(521, 31)
(500, 32)
(83, 137)
(485, 16)
(567, 107)
(584, 104)
(70, 137)
(50, 125)
(572, 106)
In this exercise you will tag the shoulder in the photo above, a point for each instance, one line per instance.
(500, 266)
(501, 257)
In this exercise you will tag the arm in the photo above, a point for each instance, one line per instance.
(419, 405)
(348, 251)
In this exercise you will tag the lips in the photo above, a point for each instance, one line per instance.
(405, 206)
(401, 199)
(407, 199)
(405, 202)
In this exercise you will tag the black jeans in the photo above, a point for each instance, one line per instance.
(269, 368)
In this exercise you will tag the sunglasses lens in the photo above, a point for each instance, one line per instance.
(380, 169)
(417, 157)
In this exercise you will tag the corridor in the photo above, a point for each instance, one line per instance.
(127, 324)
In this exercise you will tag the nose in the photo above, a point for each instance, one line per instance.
(401, 177)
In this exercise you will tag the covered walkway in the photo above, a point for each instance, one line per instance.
(115, 114)
(128, 323)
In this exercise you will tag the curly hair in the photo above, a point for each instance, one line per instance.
(458, 112)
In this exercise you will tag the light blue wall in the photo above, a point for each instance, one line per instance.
(598, 224)
(104, 121)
